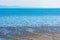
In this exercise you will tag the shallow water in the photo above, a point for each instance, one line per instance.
(29, 20)
(29, 16)
(12, 33)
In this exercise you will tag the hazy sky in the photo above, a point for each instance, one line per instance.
(31, 3)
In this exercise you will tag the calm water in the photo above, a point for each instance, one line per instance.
(29, 16)
(29, 11)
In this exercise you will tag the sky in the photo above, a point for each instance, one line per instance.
(31, 3)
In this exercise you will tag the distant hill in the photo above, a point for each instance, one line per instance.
(4, 6)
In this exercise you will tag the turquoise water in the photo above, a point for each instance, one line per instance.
(29, 11)
(29, 16)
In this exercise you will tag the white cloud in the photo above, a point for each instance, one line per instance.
(31, 3)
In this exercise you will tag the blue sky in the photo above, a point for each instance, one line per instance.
(31, 3)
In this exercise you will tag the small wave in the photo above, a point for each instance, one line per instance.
(29, 20)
